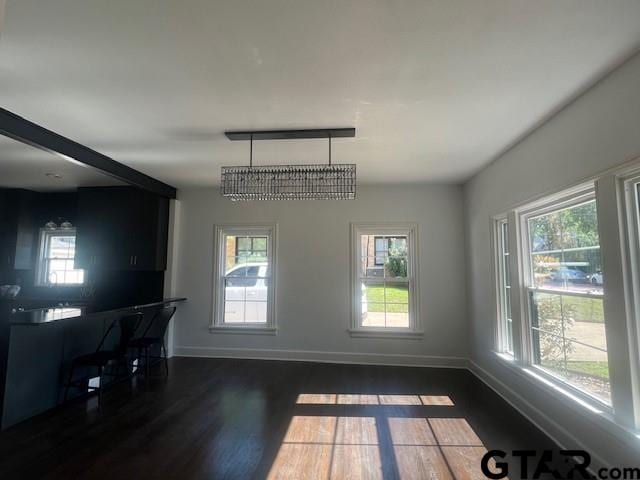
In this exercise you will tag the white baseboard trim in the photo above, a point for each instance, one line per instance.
(521, 404)
(384, 359)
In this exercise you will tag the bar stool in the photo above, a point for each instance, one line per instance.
(146, 341)
(100, 359)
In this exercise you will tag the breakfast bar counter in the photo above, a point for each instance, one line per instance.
(39, 345)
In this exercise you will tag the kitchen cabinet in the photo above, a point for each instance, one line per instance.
(121, 228)
(17, 229)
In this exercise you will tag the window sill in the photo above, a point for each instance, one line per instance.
(568, 392)
(243, 330)
(600, 414)
(373, 333)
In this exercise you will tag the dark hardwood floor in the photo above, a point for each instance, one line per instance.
(244, 419)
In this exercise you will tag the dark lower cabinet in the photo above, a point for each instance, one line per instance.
(121, 228)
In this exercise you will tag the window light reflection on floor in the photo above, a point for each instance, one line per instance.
(337, 447)
(329, 447)
(365, 399)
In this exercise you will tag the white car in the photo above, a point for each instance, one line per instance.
(596, 278)
(245, 294)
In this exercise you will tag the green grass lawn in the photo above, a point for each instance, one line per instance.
(587, 309)
(395, 295)
(596, 369)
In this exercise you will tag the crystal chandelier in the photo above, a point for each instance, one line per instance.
(290, 182)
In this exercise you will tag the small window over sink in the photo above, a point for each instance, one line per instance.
(56, 259)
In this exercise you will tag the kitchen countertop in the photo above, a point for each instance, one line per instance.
(43, 316)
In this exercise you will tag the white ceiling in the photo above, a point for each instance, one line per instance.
(24, 166)
(436, 89)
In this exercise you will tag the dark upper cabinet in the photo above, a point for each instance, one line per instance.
(121, 228)
(17, 229)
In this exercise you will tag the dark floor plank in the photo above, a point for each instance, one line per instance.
(228, 419)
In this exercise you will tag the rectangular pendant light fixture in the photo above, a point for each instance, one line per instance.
(290, 182)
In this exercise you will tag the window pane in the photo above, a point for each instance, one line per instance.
(505, 288)
(583, 367)
(373, 314)
(235, 289)
(61, 246)
(234, 312)
(385, 303)
(549, 351)
(369, 267)
(260, 244)
(569, 340)
(565, 249)
(243, 243)
(397, 315)
(588, 369)
(396, 292)
(246, 283)
(57, 265)
(57, 258)
(381, 250)
(396, 267)
(256, 312)
(383, 265)
(398, 245)
(244, 267)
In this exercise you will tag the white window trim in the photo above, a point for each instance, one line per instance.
(40, 280)
(413, 275)
(628, 206)
(499, 278)
(217, 317)
(564, 199)
(619, 243)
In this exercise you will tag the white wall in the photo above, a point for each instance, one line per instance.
(313, 290)
(601, 129)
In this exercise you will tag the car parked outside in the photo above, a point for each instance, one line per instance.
(568, 275)
(246, 294)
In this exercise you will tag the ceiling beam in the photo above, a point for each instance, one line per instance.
(33, 134)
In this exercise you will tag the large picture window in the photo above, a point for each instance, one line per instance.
(244, 277)
(567, 323)
(384, 278)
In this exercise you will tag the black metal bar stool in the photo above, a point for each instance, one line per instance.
(102, 358)
(150, 339)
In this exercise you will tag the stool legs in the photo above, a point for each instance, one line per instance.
(66, 390)
(166, 360)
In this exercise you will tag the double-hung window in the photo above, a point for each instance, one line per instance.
(56, 259)
(244, 283)
(564, 288)
(503, 277)
(384, 279)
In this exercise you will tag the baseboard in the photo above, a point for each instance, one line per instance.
(383, 359)
(521, 404)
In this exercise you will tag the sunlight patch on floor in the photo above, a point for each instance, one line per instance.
(340, 447)
(365, 399)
